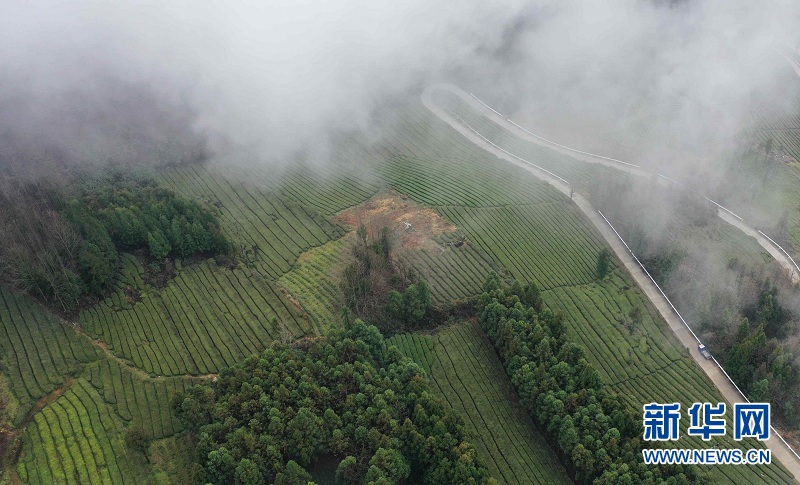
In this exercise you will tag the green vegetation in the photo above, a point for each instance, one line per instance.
(453, 272)
(136, 213)
(172, 458)
(38, 353)
(416, 347)
(142, 403)
(76, 439)
(468, 375)
(411, 308)
(314, 282)
(207, 318)
(367, 281)
(603, 263)
(63, 244)
(759, 360)
(284, 284)
(599, 436)
(345, 395)
(370, 287)
(271, 231)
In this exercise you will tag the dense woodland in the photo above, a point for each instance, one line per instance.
(598, 435)
(61, 243)
(345, 395)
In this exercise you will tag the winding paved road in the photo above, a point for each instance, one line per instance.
(726, 215)
(780, 450)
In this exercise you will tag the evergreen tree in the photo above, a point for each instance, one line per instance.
(603, 263)
(159, 245)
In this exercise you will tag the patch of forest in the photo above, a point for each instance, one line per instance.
(60, 239)
(346, 398)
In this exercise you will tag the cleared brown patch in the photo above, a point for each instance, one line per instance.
(391, 209)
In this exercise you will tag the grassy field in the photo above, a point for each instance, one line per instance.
(468, 375)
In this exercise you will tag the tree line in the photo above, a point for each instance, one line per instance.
(60, 241)
(598, 437)
(345, 395)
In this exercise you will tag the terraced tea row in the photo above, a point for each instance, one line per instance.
(207, 318)
(416, 347)
(141, 402)
(467, 373)
(37, 349)
(547, 243)
(314, 281)
(76, 440)
(278, 229)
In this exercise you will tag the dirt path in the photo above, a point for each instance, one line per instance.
(520, 132)
(780, 451)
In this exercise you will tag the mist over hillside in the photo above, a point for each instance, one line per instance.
(148, 81)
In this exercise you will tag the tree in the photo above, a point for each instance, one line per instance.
(394, 306)
(221, 465)
(159, 245)
(492, 283)
(593, 427)
(247, 473)
(568, 435)
(305, 434)
(417, 302)
(391, 464)
(361, 233)
(343, 394)
(603, 263)
(740, 362)
(584, 462)
(137, 439)
(347, 472)
(96, 269)
(294, 474)
(760, 391)
(194, 407)
(533, 297)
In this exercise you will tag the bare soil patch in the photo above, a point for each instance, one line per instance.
(412, 226)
